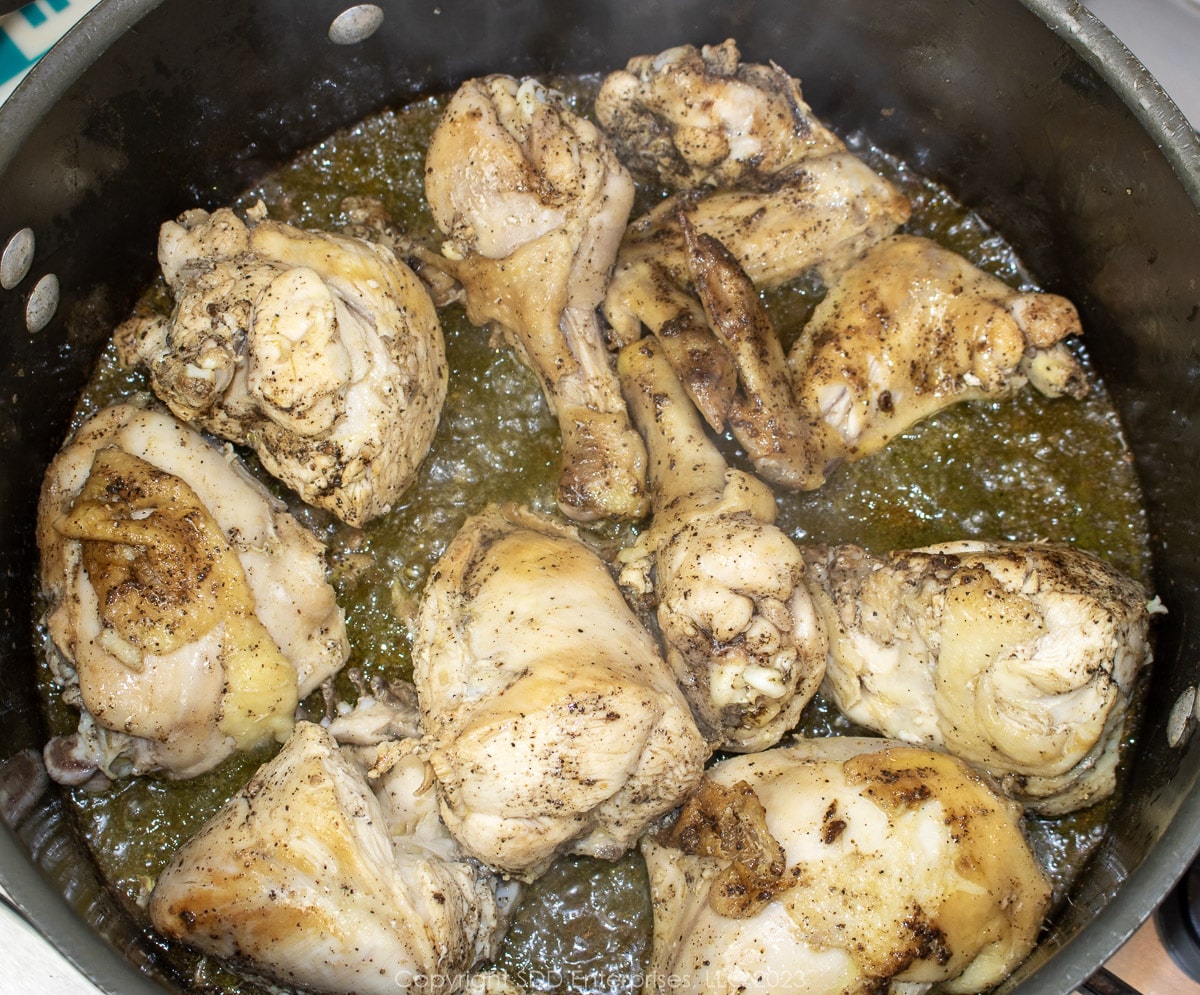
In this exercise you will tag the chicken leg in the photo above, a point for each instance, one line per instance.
(743, 636)
(533, 204)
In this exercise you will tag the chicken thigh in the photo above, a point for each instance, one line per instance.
(305, 877)
(191, 611)
(742, 634)
(912, 328)
(1020, 658)
(877, 867)
(534, 203)
(693, 117)
(321, 352)
(551, 720)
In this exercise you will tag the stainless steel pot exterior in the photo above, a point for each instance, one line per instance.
(1030, 111)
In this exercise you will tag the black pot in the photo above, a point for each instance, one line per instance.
(1029, 110)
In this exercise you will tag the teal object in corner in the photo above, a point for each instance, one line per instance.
(29, 32)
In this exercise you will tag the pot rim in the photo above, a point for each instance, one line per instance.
(1176, 138)
(1143, 886)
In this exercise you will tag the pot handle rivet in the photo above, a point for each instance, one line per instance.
(42, 303)
(1181, 715)
(16, 258)
(355, 24)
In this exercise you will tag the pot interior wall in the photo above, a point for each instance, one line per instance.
(981, 96)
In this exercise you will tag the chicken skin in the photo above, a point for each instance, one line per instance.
(762, 413)
(912, 328)
(694, 117)
(191, 611)
(877, 867)
(742, 634)
(305, 877)
(321, 352)
(551, 720)
(533, 204)
(819, 218)
(1020, 658)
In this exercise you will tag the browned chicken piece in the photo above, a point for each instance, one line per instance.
(912, 328)
(551, 720)
(842, 866)
(321, 352)
(191, 610)
(533, 203)
(762, 413)
(1020, 658)
(821, 217)
(306, 877)
(693, 117)
(742, 634)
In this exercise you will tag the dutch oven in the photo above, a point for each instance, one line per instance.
(1030, 111)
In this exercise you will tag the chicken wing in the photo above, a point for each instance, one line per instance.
(1021, 658)
(742, 634)
(551, 720)
(693, 117)
(912, 328)
(762, 414)
(321, 352)
(877, 867)
(533, 203)
(191, 611)
(303, 876)
(819, 217)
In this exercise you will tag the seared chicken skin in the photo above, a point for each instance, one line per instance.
(820, 217)
(192, 612)
(533, 204)
(876, 867)
(304, 876)
(742, 634)
(321, 352)
(1020, 658)
(551, 720)
(912, 328)
(762, 413)
(692, 117)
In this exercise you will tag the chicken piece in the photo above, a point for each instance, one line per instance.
(551, 720)
(303, 876)
(1020, 658)
(742, 634)
(762, 413)
(534, 203)
(191, 610)
(383, 711)
(903, 869)
(321, 352)
(912, 328)
(819, 218)
(694, 117)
